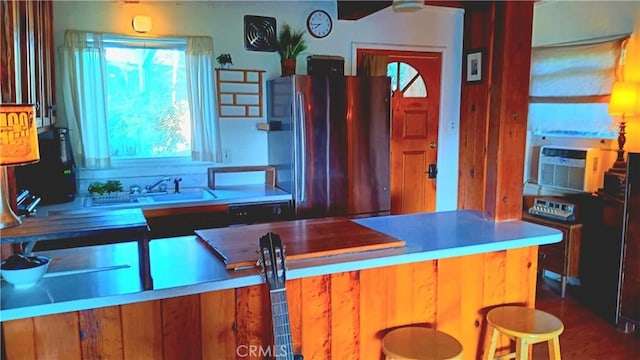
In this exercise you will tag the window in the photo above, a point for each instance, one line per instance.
(139, 98)
(569, 89)
(147, 102)
(406, 78)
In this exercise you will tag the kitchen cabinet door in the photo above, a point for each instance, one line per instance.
(27, 57)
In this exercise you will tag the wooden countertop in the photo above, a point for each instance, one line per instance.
(302, 239)
(183, 266)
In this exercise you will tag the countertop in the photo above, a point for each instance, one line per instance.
(106, 275)
(231, 195)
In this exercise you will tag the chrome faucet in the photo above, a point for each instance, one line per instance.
(149, 188)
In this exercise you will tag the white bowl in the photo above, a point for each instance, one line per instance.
(25, 278)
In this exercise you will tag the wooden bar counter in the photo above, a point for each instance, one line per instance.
(454, 267)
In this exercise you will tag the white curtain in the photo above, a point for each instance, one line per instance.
(568, 89)
(577, 70)
(205, 138)
(84, 94)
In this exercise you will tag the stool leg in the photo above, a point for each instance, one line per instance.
(554, 348)
(491, 353)
(522, 349)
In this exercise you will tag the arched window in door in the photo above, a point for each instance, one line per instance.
(407, 79)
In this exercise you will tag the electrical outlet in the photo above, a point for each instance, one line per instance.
(226, 156)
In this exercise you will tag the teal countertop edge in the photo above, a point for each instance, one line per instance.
(183, 266)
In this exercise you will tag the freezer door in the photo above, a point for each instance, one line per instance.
(280, 103)
(368, 118)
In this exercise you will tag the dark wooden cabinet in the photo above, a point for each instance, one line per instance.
(27, 57)
(630, 279)
(180, 221)
(562, 258)
(611, 254)
(601, 256)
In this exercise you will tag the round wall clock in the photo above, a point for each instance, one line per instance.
(319, 23)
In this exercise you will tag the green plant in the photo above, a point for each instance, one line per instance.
(290, 43)
(101, 188)
(224, 59)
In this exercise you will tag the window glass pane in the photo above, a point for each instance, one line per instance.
(418, 87)
(147, 105)
(589, 120)
(392, 72)
(407, 74)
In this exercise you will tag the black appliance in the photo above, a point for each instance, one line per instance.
(53, 178)
(326, 65)
(260, 212)
(332, 151)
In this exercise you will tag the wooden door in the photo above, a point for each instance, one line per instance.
(415, 82)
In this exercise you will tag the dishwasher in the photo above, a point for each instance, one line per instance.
(260, 212)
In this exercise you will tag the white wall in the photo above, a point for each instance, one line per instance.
(430, 28)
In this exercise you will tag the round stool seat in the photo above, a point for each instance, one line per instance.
(525, 326)
(420, 343)
(519, 321)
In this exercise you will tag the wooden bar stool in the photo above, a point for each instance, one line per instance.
(420, 343)
(525, 326)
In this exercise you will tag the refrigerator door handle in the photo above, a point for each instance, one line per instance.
(301, 148)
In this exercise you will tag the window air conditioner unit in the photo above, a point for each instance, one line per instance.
(571, 168)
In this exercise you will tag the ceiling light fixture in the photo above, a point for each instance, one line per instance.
(407, 5)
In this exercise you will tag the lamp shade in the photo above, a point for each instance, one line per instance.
(18, 135)
(407, 5)
(625, 98)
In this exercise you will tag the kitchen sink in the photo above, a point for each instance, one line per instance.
(193, 194)
(122, 200)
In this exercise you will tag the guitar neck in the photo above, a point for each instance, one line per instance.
(281, 327)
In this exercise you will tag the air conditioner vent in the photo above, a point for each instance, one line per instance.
(567, 168)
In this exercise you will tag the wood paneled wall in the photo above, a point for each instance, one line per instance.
(337, 316)
(493, 113)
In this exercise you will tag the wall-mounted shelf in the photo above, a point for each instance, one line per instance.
(239, 93)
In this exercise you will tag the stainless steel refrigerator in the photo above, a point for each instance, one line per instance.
(332, 146)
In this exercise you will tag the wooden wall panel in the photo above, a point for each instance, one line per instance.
(345, 315)
(217, 311)
(449, 295)
(253, 319)
(316, 317)
(493, 113)
(142, 327)
(471, 300)
(22, 340)
(342, 315)
(424, 292)
(54, 337)
(373, 304)
(474, 109)
(294, 298)
(101, 333)
(181, 330)
(403, 304)
(508, 110)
